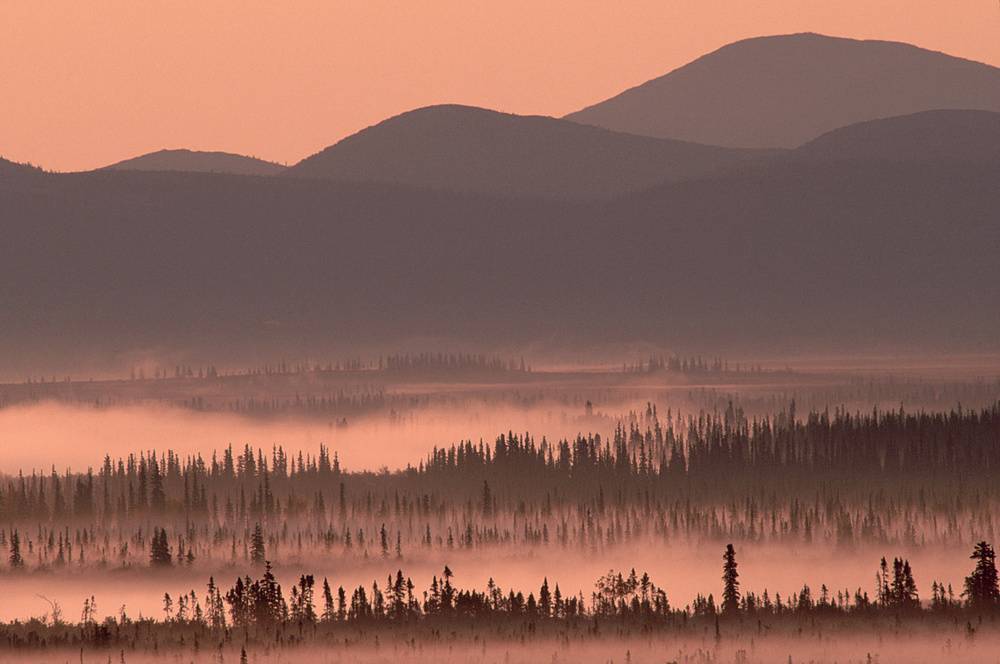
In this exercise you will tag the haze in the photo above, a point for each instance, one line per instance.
(87, 85)
(478, 332)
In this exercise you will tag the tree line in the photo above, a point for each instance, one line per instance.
(255, 608)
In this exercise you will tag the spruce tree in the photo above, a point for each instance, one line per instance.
(306, 611)
(730, 580)
(545, 599)
(329, 613)
(257, 553)
(159, 553)
(16, 561)
(981, 587)
(911, 600)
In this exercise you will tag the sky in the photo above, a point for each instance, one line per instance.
(85, 84)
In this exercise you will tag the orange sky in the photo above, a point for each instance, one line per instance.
(83, 84)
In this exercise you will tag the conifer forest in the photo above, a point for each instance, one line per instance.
(663, 509)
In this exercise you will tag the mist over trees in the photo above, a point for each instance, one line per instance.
(214, 328)
(256, 613)
(661, 478)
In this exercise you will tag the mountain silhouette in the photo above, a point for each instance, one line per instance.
(8, 167)
(467, 149)
(931, 136)
(826, 247)
(783, 91)
(194, 161)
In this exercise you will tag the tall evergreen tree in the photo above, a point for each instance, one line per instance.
(159, 553)
(257, 553)
(158, 498)
(730, 581)
(981, 587)
(329, 612)
(911, 599)
(545, 599)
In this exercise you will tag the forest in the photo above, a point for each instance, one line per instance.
(274, 547)
(841, 477)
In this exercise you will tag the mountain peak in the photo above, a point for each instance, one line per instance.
(476, 150)
(785, 90)
(195, 161)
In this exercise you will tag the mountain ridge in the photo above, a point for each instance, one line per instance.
(198, 161)
(945, 135)
(802, 254)
(782, 91)
(465, 148)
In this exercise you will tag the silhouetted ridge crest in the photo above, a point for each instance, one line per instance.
(8, 167)
(782, 91)
(942, 136)
(195, 161)
(468, 149)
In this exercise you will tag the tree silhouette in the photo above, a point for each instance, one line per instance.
(303, 609)
(266, 599)
(882, 583)
(910, 598)
(257, 553)
(159, 552)
(329, 613)
(981, 587)
(16, 561)
(902, 592)
(730, 581)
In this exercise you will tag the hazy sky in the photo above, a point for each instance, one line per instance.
(84, 84)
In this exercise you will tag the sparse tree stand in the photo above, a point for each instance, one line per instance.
(159, 552)
(981, 587)
(730, 580)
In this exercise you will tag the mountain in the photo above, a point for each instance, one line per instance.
(939, 137)
(797, 253)
(194, 161)
(467, 149)
(8, 167)
(786, 90)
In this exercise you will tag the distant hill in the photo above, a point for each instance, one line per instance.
(467, 149)
(940, 137)
(8, 167)
(795, 253)
(193, 161)
(786, 90)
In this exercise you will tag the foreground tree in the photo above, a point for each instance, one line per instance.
(981, 587)
(903, 590)
(730, 580)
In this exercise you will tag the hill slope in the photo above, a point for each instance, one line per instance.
(785, 90)
(931, 136)
(8, 167)
(467, 149)
(193, 161)
(801, 253)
